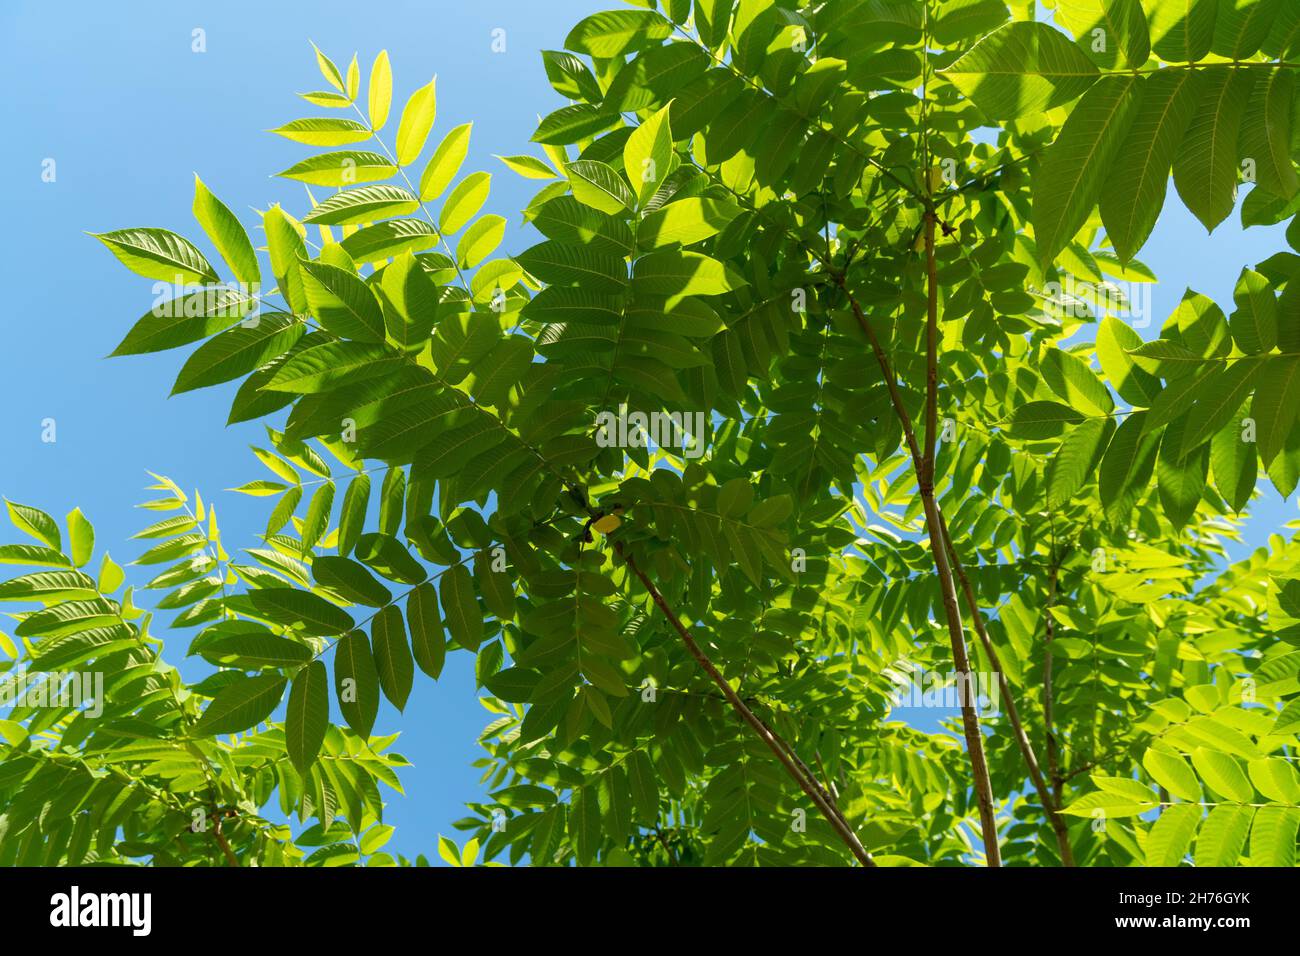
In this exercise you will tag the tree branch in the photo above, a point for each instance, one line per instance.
(775, 743)
(1050, 804)
(923, 464)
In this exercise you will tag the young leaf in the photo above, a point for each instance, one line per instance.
(226, 234)
(416, 122)
(81, 538)
(445, 162)
(160, 255)
(381, 91)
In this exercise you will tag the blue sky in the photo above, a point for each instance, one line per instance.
(115, 96)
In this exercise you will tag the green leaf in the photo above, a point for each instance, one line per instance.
(615, 32)
(1075, 383)
(1234, 466)
(685, 221)
(1169, 769)
(409, 301)
(1038, 420)
(32, 554)
(81, 538)
(464, 202)
(285, 245)
(416, 122)
(1266, 132)
(186, 319)
(1276, 404)
(427, 641)
(647, 154)
(1075, 168)
(645, 787)
(1254, 324)
(389, 238)
(36, 523)
(480, 240)
(352, 516)
(1273, 837)
(559, 263)
(1107, 28)
(1241, 27)
(317, 520)
(317, 131)
(1218, 397)
(445, 162)
(255, 650)
(530, 167)
(381, 91)
(342, 303)
(226, 234)
(240, 705)
(49, 586)
(673, 273)
(1126, 468)
(392, 655)
(238, 351)
(1022, 69)
(600, 186)
(1133, 195)
(1134, 384)
(1205, 167)
(1181, 30)
(350, 580)
(570, 77)
(574, 123)
(1073, 462)
(363, 204)
(1222, 836)
(1223, 775)
(1170, 838)
(1180, 480)
(328, 69)
(356, 682)
(159, 254)
(460, 607)
(1276, 779)
(293, 607)
(584, 824)
(344, 168)
(332, 364)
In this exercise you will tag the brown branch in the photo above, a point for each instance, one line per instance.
(1049, 627)
(231, 859)
(774, 742)
(923, 464)
(1050, 804)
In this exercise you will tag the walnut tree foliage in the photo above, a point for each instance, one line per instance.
(839, 229)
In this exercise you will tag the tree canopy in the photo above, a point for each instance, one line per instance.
(857, 282)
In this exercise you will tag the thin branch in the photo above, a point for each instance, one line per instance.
(1049, 802)
(774, 742)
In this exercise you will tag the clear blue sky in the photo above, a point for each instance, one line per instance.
(115, 96)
